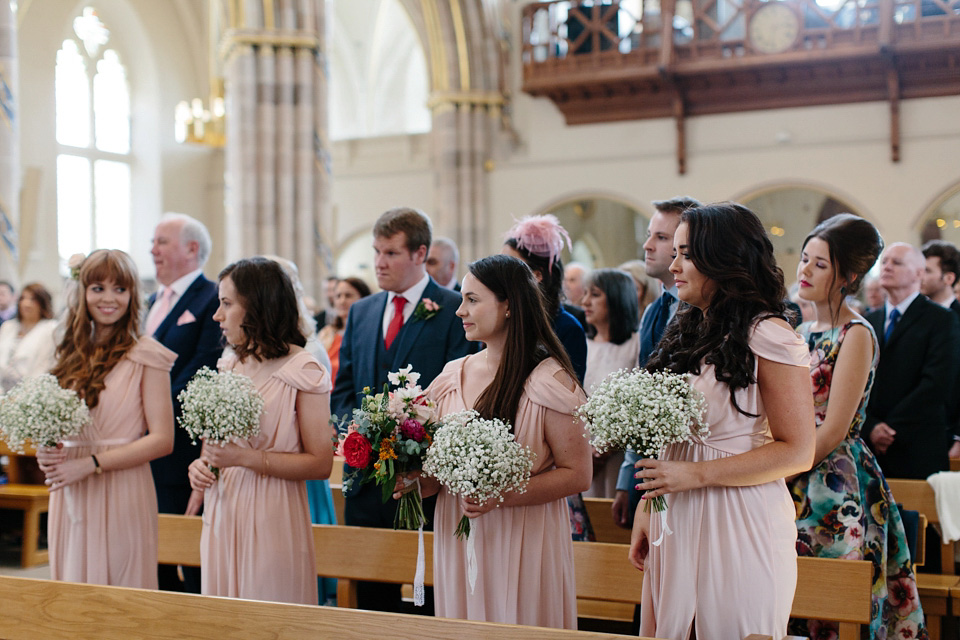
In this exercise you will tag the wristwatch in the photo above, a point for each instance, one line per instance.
(96, 463)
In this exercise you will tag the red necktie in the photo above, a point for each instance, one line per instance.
(399, 302)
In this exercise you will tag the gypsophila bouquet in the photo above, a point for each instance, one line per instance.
(643, 411)
(38, 409)
(391, 430)
(220, 407)
(478, 459)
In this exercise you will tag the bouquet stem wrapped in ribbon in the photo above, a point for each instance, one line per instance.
(645, 412)
(389, 435)
(39, 410)
(478, 459)
(220, 407)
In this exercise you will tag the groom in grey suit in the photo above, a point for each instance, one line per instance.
(388, 331)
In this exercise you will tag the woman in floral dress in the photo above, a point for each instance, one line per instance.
(845, 507)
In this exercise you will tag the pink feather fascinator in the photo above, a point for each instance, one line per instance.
(540, 235)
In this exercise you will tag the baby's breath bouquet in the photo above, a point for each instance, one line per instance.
(38, 409)
(643, 411)
(220, 407)
(478, 459)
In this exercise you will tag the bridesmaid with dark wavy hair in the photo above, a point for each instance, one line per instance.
(845, 507)
(730, 566)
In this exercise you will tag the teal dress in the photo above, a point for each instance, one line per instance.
(320, 500)
(845, 509)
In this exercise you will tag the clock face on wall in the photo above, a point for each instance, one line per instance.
(774, 28)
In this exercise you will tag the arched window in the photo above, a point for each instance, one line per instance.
(378, 72)
(93, 141)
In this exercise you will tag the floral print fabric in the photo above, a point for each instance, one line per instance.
(845, 510)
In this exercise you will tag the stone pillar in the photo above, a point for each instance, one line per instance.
(277, 160)
(9, 148)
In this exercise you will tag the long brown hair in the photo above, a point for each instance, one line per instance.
(530, 336)
(82, 364)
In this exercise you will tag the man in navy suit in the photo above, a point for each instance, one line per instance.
(385, 332)
(658, 255)
(180, 316)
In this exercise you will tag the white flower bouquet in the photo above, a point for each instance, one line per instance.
(478, 459)
(220, 407)
(38, 409)
(643, 411)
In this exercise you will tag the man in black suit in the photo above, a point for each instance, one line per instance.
(442, 262)
(658, 255)
(941, 274)
(180, 317)
(907, 416)
(383, 334)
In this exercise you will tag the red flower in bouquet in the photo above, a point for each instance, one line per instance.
(413, 430)
(357, 450)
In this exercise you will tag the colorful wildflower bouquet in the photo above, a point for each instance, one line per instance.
(643, 411)
(478, 459)
(392, 430)
(38, 409)
(220, 407)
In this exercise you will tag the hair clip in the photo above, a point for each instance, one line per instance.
(540, 235)
(74, 263)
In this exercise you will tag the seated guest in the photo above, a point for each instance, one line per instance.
(574, 275)
(27, 343)
(845, 507)
(347, 291)
(612, 344)
(647, 287)
(257, 541)
(102, 525)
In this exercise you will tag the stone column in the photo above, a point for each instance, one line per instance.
(9, 148)
(277, 167)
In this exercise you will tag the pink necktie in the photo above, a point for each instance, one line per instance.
(163, 308)
(393, 328)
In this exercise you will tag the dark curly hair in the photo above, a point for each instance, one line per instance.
(271, 320)
(727, 244)
(530, 336)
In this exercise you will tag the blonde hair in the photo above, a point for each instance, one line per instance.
(82, 364)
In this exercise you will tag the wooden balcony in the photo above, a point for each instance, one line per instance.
(606, 61)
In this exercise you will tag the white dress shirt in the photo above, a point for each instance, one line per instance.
(412, 295)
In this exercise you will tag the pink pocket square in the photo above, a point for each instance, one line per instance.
(186, 318)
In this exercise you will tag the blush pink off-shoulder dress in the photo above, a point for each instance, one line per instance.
(524, 554)
(257, 541)
(731, 563)
(103, 529)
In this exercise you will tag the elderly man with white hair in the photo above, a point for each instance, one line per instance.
(907, 416)
(180, 317)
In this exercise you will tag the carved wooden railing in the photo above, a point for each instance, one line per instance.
(624, 33)
(610, 59)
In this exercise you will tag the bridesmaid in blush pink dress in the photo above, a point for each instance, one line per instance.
(103, 506)
(729, 568)
(257, 541)
(523, 546)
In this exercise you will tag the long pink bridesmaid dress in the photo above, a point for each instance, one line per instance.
(524, 554)
(103, 529)
(257, 541)
(730, 566)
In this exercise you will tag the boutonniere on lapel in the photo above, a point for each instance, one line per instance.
(426, 309)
